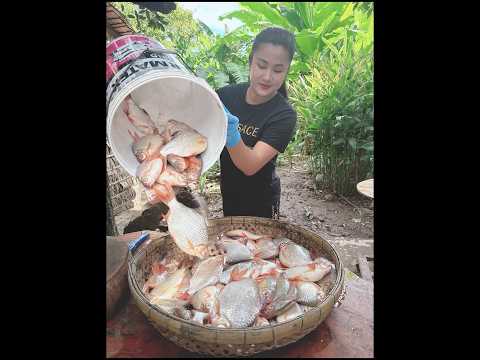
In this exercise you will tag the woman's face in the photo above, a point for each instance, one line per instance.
(268, 69)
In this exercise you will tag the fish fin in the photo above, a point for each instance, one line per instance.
(158, 268)
(183, 295)
(273, 272)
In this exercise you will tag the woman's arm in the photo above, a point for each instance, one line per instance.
(251, 160)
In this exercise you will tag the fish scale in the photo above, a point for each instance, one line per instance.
(185, 144)
(240, 302)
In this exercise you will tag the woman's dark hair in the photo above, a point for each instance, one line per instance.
(275, 36)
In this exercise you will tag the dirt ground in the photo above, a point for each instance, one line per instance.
(347, 224)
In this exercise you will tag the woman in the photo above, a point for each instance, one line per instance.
(261, 123)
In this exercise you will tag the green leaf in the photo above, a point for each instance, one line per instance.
(339, 141)
(293, 18)
(131, 16)
(307, 42)
(348, 11)
(268, 12)
(245, 16)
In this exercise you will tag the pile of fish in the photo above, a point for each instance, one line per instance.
(169, 157)
(255, 280)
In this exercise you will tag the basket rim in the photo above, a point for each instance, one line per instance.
(132, 258)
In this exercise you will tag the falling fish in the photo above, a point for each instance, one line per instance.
(240, 303)
(292, 254)
(245, 234)
(185, 144)
(148, 147)
(310, 272)
(172, 177)
(179, 163)
(149, 171)
(193, 171)
(235, 251)
(187, 227)
(292, 312)
(309, 293)
(206, 272)
(138, 117)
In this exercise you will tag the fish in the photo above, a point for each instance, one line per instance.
(185, 144)
(266, 286)
(187, 227)
(148, 147)
(206, 300)
(261, 321)
(235, 251)
(193, 171)
(291, 313)
(221, 322)
(247, 234)
(310, 272)
(173, 287)
(171, 306)
(174, 126)
(248, 269)
(179, 163)
(284, 295)
(149, 171)
(154, 194)
(159, 273)
(206, 272)
(138, 117)
(309, 293)
(266, 249)
(172, 177)
(292, 254)
(240, 303)
(251, 245)
(222, 237)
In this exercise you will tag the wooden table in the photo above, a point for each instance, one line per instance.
(347, 332)
(366, 188)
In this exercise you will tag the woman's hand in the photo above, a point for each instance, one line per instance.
(233, 135)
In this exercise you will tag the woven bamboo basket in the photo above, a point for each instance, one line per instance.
(230, 342)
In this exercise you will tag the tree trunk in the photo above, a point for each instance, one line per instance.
(111, 226)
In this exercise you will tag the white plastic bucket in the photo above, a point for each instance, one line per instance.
(162, 86)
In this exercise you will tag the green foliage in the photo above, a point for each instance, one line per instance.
(334, 103)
